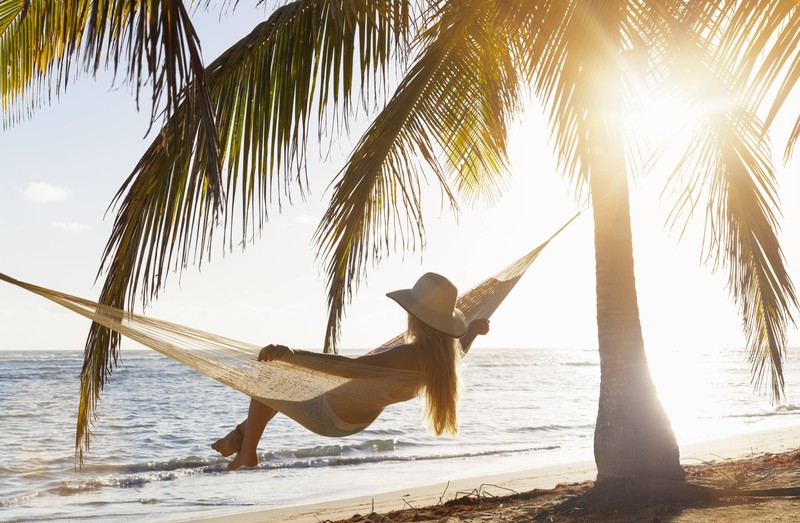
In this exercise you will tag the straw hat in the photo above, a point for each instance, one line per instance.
(432, 300)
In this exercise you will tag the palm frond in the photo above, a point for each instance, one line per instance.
(763, 42)
(560, 51)
(783, 61)
(451, 111)
(159, 36)
(44, 42)
(732, 166)
(729, 167)
(744, 197)
(671, 52)
(38, 43)
(262, 89)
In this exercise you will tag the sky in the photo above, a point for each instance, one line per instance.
(62, 167)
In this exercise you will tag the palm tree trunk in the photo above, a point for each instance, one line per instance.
(633, 436)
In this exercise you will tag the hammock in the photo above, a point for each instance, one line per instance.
(328, 394)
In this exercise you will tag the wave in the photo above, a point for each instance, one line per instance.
(533, 364)
(336, 461)
(780, 410)
(191, 462)
(134, 476)
(550, 428)
(19, 373)
(14, 500)
(505, 364)
(37, 355)
(137, 475)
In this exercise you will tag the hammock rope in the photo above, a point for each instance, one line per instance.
(326, 393)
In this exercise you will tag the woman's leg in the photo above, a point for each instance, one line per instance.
(257, 418)
(232, 442)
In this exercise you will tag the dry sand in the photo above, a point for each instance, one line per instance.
(534, 495)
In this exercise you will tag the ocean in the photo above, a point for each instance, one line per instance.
(150, 457)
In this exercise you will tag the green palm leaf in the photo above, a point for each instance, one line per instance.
(42, 41)
(38, 44)
(451, 111)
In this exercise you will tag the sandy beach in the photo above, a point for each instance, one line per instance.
(740, 447)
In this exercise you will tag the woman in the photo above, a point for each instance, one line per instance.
(433, 349)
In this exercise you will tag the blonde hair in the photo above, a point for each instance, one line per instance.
(439, 356)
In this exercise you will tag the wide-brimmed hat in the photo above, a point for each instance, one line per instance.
(432, 300)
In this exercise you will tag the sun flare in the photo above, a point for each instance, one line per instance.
(685, 400)
(661, 122)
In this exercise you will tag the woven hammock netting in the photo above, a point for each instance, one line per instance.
(328, 394)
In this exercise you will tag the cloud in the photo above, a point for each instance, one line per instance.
(39, 192)
(70, 226)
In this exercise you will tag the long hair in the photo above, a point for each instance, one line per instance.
(439, 356)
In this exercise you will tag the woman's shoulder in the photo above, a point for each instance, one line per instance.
(385, 348)
(403, 357)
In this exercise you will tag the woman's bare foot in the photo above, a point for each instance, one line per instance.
(231, 443)
(243, 460)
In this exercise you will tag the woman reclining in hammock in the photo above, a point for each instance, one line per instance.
(438, 335)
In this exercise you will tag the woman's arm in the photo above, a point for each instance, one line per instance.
(475, 328)
(402, 357)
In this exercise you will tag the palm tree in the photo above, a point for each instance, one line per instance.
(233, 136)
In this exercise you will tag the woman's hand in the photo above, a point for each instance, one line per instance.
(479, 326)
(274, 352)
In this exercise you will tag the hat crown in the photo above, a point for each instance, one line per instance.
(436, 292)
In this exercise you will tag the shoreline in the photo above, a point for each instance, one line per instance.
(740, 446)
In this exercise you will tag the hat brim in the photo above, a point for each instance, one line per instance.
(454, 324)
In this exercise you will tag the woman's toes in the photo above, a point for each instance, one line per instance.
(243, 461)
(230, 444)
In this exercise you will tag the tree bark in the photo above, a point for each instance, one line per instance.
(633, 436)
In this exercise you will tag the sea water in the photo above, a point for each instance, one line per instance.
(150, 457)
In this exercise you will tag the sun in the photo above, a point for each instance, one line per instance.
(661, 124)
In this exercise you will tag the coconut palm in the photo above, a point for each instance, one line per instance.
(233, 137)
